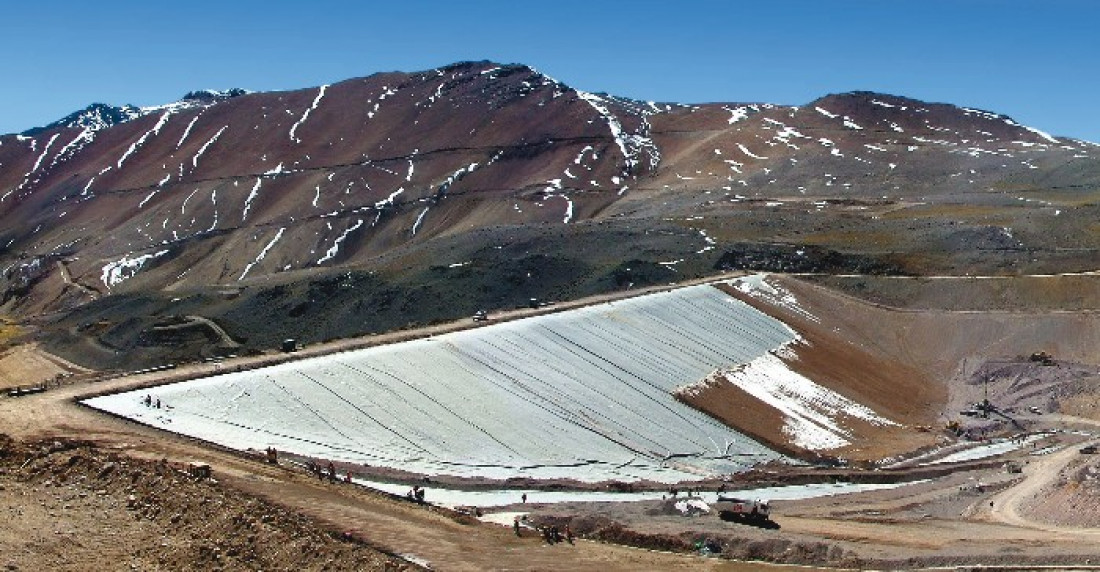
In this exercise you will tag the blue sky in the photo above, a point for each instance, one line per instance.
(1036, 60)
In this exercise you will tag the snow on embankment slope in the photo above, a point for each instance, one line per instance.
(585, 394)
(842, 388)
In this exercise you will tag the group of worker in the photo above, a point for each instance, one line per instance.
(416, 494)
(149, 401)
(327, 472)
(553, 535)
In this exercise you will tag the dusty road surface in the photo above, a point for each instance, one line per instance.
(26, 365)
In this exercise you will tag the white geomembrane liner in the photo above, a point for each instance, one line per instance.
(584, 394)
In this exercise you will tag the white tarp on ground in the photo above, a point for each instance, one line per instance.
(584, 394)
(489, 498)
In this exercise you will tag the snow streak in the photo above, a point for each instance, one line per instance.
(145, 137)
(251, 197)
(73, 147)
(187, 131)
(316, 102)
(262, 254)
(45, 150)
(335, 249)
(419, 218)
(205, 146)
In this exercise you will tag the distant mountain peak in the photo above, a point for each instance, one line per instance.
(94, 117)
(99, 116)
(209, 95)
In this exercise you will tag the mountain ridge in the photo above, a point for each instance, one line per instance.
(396, 176)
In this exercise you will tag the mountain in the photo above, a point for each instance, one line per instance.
(94, 117)
(406, 198)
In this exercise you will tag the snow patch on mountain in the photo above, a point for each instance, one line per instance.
(631, 145)
(126, 267)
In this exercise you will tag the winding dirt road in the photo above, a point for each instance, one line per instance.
(1008, 506)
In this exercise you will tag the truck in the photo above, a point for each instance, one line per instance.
(731, 508)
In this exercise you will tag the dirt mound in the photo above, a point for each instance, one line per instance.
(72, 506)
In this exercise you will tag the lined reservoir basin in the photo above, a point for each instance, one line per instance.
(582, 394)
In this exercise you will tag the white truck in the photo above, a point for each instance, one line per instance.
(742, 509)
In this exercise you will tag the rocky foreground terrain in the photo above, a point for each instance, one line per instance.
(229, 221)
(71, 506)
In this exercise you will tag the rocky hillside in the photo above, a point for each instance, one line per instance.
(406, 198)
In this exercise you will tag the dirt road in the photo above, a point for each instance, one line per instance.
(1008, 507)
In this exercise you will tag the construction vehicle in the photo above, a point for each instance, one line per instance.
(198, 470)
(1042, 358)
(731, 508)
(481, 316)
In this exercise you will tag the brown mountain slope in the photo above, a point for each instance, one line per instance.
(478, 185)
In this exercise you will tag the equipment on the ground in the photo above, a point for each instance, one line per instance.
(198, 470)
(1042, 358)
(742, 509)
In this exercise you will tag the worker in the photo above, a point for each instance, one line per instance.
(524, 498)
(515, 525)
